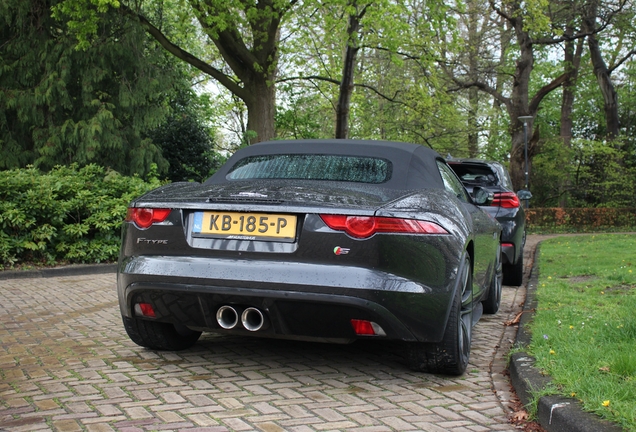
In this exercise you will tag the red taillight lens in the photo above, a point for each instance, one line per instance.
(145, 217)
(366, 226)
(505, 200)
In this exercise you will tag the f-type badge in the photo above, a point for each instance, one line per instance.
(340, 251)
(151, 241)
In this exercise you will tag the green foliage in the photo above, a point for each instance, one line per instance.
(186, 142)
(590, 174)
(84, 17)
(304, 116)
(398, 94)
(535, 16)
(61, 105)
(71, 214)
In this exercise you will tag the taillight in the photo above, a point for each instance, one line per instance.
(505, 200)
(145, 217)
(366, 226)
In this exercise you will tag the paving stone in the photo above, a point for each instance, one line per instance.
(169, 417)
(202, 419)
(67, 426)
(237, 424)
(66, 359)
(100, 427)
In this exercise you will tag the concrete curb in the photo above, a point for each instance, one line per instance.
(72, 270)
(555, 413)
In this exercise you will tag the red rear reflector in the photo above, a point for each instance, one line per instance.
(145, 217)
(366, 226)
(507, 245)
(505, 200)
(145, 309)
(367, 328)
(362, 327)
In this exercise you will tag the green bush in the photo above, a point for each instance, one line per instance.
(588, 174)
(70, 214)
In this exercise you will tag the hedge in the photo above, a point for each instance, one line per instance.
(69, 214)
(580, 219)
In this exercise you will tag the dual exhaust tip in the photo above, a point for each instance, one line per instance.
(251, 318)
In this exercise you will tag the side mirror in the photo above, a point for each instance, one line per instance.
(482, 197)
(524, 194)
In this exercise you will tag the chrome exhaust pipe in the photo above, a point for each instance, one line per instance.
(227, 317)
(253, 319)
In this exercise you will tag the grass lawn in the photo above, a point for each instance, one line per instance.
(584, 329)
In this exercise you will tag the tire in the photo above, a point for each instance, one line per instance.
(493, 301)
(513, 273)
(158, 335)
(450, 356)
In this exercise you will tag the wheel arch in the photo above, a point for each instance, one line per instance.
(470, 250)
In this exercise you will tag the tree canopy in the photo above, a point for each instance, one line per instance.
(458, 77)
(60, 105)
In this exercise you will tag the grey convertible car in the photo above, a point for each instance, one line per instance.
(318, 240)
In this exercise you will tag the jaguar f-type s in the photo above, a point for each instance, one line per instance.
(316, 240)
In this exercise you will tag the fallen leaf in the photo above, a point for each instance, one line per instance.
(521, 415)
(514, 321)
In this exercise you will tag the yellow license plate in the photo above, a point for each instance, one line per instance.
(245, 226)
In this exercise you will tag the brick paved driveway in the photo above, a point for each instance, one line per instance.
(67, 365)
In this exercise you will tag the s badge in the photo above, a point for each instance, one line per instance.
(340, 251)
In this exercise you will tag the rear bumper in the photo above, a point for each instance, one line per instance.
(299, 300)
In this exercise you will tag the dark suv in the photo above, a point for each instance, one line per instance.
(505, 207)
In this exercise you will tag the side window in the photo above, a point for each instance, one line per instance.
(505, 178)
(451, 182)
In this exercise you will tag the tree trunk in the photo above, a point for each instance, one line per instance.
(346, 90)
(610, 98)
(473, 125)
(572, 60)
(517, 166)
(348, 70)
(261, 110)
(505, 40)
(473, 92)
(519, 106)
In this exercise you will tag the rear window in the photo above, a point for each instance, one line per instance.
(360, 169)
(475, 174)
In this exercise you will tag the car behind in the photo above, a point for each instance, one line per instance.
(505, 207)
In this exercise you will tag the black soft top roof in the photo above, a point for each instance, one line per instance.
(414, 166)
